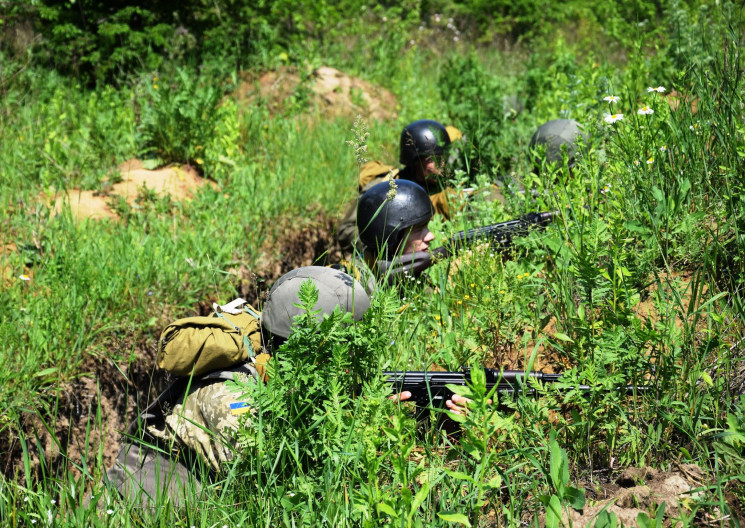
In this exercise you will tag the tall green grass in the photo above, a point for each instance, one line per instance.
(640, 278)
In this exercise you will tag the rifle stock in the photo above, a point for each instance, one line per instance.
(429, 388)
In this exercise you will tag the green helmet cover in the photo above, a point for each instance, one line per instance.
(553, 135)
(335, 288)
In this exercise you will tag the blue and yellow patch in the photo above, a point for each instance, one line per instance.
(238, 408)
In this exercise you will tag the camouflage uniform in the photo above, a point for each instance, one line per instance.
(196, 437)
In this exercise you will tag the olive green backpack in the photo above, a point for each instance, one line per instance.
(196, 345)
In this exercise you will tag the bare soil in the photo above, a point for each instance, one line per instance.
(7, 270)
(180, 182)
(329, 91)
(643, 490)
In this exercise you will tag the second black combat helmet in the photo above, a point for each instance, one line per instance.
(387, 212)
(422, 139)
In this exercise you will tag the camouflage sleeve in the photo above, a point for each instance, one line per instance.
(206, 421)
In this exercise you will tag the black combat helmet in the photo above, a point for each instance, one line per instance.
(387, 211)
(552, 136)
(421, 139)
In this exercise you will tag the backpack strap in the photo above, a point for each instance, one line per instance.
(246, 342)
(247, 308)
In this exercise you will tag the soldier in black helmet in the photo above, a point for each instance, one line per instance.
(552, 139)
(393, 218)
(423, 151)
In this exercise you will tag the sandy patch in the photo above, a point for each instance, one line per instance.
(181, 183)
(642, 490)
(332, 92)
(676, 99)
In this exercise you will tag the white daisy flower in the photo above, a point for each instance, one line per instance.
(650, 161)
(611, 98)
(612, 118)
(645, 110)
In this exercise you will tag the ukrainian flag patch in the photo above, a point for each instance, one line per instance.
(238, 408)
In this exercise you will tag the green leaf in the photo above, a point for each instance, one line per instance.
(478, 379)
(660, 514)
(559, 466)
(643, 520)
(575, 497)
(494, 482)
(459, 418)
(454, 517)
(46, 372)
(420, 496)
(606, 519)
(460, 476)
(553, 512)
(387, 509)
(564, 337)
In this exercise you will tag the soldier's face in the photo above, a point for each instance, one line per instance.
(431, 167)
(419, 239)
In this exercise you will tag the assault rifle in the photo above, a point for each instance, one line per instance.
(498, 235)
(429, 388)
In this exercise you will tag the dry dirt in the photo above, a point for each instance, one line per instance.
(180, 182)
(643, 490)
(329, 91)
(675, 99)
(7, 271)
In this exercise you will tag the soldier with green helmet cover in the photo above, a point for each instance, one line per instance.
(190, 431)
(553, 139)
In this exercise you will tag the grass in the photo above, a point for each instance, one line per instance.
(640, 278)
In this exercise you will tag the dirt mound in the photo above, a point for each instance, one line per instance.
(332, 92)
(641, 490)
(7, 271)
(179, 182)
(677, 100)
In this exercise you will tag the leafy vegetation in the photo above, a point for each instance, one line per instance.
(638, 282)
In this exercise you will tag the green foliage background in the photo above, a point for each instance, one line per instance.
(638, 282)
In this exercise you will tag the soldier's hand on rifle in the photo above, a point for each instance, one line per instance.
(401, 396)
(459, 404)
